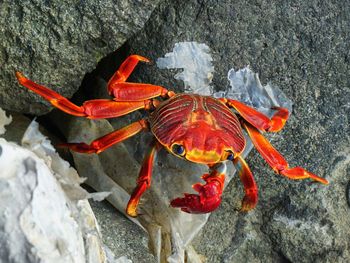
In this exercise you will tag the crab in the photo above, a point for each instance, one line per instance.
(200, 129)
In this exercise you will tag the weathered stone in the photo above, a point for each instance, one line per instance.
(56, 42)
(16, 129)
(46, 213)
(121, 235)
(302, 47)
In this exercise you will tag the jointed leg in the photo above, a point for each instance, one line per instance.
(125, 70)
(53, 97)
(143, 181)
(92, 109)
(209, 197)
(250, 188)
(108, 140)
(257, 119)
(127, 91)
(128, 96)
(275, 159)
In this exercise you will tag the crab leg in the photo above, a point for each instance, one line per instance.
(257, 119)
(92, 109)
(125, 69)
(250, 188)
(275, 159)
(209, 197)
(109, 139)
(143, 181)
(127, 91)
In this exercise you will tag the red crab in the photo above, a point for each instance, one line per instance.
(197, 128)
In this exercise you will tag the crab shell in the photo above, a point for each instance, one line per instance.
(204, 126)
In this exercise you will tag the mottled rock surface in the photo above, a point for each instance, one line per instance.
(121, 235)
(56, 42)
(302, 47)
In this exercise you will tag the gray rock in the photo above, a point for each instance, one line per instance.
(17, 127)
(302, 47)
(121, 235)
(55, 43)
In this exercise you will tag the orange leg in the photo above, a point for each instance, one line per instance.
(275, 159)
(250, 188)
(109, 139)
(128, 96)
(257, 119)
(92, 109)
(126, 91)
(143, 181)
(209, 197)
(125, 70)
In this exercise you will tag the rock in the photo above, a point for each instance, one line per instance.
(302, 47)
(56, 43)
(28, 234)
(167, 181)
(17, 127)
(121, 235)
(45, 213)
(113, 170)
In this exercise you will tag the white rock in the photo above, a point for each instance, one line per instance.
(44, 214)
(4, 120)
(36, 219)
(246, 87)
(195, 60)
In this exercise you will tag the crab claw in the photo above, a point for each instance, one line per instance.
(209, 197)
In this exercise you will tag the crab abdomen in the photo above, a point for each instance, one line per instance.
(207, 118)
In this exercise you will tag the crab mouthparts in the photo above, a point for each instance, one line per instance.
(202, 156)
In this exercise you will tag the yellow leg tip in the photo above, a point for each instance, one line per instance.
(143, 59)
(323, 181)
(131, 210)
(319, 179)
(20, 77)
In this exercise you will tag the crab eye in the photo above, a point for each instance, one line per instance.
(178, 149)
(230, 156)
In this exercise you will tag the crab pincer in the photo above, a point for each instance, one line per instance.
(209, 194)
